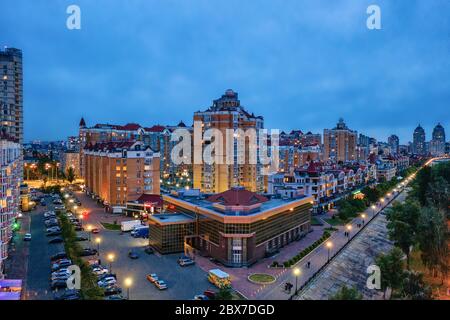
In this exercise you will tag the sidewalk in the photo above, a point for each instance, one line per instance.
(320, 256)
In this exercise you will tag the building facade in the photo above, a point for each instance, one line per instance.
(227, 113)
(437, 143)
(237, 227)
(117, 172)
(11, 93)
(10, 177)
(71, 159)
(394, 144)
(419, 146)
(340, 143)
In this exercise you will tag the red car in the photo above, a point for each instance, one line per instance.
(210, 294)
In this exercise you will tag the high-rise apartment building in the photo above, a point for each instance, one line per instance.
(340, 143)
(10, 176)
(118, 172)
(394, 144)
(227, 113)
(437, 143)
(11, 95)
(419, 146)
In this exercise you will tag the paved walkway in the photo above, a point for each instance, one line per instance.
(349, 267)
(319, 257)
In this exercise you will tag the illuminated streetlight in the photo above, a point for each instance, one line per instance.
(329, 245)
(98, 241)
(89, 229)
(128, 283)
(111, 257)
(296, 274)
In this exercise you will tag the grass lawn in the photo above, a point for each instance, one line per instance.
(316, 222)
(335, 222)
(111, 226)
(262, 278)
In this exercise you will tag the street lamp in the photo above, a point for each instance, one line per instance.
(349, 228)
(80, 217)
(296, 274)
(363, 216)
(89, 229)
(111, 257)
(373, 210)
(97, 241)
(329, 245)
(128, 282)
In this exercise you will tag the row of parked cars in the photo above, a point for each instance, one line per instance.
(159, 283)
(108, 282)
(59, 276)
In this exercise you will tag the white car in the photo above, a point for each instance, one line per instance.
(27, 237)
(107, 282)
(100, 271)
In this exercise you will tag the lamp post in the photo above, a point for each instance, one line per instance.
(349, 228)
(111, 257)
(97, 241)
(329, 245)
(89, 229)
(373, 210)
(128, 282)
(363, 216)
(296, 274)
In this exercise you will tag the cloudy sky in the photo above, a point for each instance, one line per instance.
(300, 64)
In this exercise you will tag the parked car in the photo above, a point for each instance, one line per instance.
(81, 238)
(68, 294)
(79, 228)
(95, 230)
(56, 240)
(57, 201)
(27, 237)
(201, 297)
(88, 252)
(49, 214)
(60, 207)
(160, 284)
(59, 255)
(107, 275)
(115, 297)
(108, 281)
(211, 294)
(42, 203)
(100, 271)
(58, 284)
(186, 262)
(113, 290)
(53, 233)
(61, 264)
(51, 229)
(152, 277)
(133, 255)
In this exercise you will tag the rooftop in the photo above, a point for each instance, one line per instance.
(171, 218)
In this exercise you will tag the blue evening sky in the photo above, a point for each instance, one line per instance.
(300, 64)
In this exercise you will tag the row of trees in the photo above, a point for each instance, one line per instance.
(421, 223)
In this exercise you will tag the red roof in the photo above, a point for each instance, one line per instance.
(151, 198)
(109, 146)
(156, 128)
(131, 127)
(237, 197)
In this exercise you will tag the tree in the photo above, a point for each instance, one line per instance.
(432, 236)
(414, 288)
(402, 226)
(224, 294)
(391, 268)
(70, 175)
(346, 293)
(438, 193)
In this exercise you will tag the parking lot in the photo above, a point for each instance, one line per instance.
(40, 251)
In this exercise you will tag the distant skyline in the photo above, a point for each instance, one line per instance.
(299, 64)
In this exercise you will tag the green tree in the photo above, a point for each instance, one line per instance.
(432, 236)
(402, 226)
(70, 175)
(346, 293)
(414, 288)
(391, 268)
(224, 294)
(438, 193)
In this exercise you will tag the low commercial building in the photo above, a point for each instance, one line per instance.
(145, 205)
(237, 227)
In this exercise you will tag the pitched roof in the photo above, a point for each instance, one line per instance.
(154, 198)
(156, 128)
(237, 197)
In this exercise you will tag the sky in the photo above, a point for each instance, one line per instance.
(299, 64)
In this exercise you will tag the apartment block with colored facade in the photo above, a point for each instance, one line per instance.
(227, 113)
(10, 177)
(118, 172)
